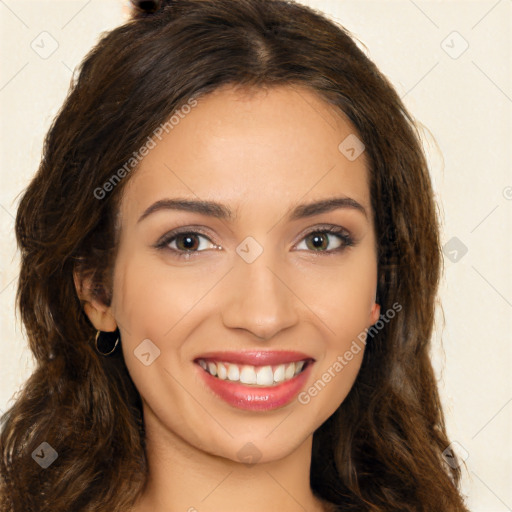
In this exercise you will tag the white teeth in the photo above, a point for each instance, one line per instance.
(279, 373)
(222, 373)
(212, 368)
(290, 371)
(253, 375)
(233, 372)
(264, 376)
(248, 375)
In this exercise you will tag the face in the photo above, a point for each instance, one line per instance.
(243, 277)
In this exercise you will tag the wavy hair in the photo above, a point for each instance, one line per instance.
(382, 450)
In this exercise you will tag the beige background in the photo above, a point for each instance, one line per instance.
(463, 97)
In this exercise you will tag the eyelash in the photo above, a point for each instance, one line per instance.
(163, 243)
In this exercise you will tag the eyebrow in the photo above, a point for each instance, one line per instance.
(220, 211)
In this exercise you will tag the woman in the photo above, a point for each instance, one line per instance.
(230, 258)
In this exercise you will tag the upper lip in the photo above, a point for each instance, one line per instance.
(256, 357)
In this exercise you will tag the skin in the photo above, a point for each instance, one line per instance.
(260, 153)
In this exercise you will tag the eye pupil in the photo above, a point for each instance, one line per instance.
(189, 240)
(319, 241)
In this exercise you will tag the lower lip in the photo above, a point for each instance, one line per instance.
(256, 398)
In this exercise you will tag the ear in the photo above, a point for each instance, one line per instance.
(98, 313)
(374, 313)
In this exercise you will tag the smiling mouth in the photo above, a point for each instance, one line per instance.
(249, 375)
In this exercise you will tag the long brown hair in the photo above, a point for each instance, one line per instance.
(382, 450)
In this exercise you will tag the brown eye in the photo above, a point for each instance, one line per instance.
(186, 243)
(189, 241)
(320, 239)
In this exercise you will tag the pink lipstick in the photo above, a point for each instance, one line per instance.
(255, 380)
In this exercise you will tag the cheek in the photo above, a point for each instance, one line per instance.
(344, 310)
(341, 296)
(152, 297)
(333, 379)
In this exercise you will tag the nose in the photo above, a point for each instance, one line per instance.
(260, 300)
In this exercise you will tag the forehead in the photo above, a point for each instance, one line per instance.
(247, 147)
